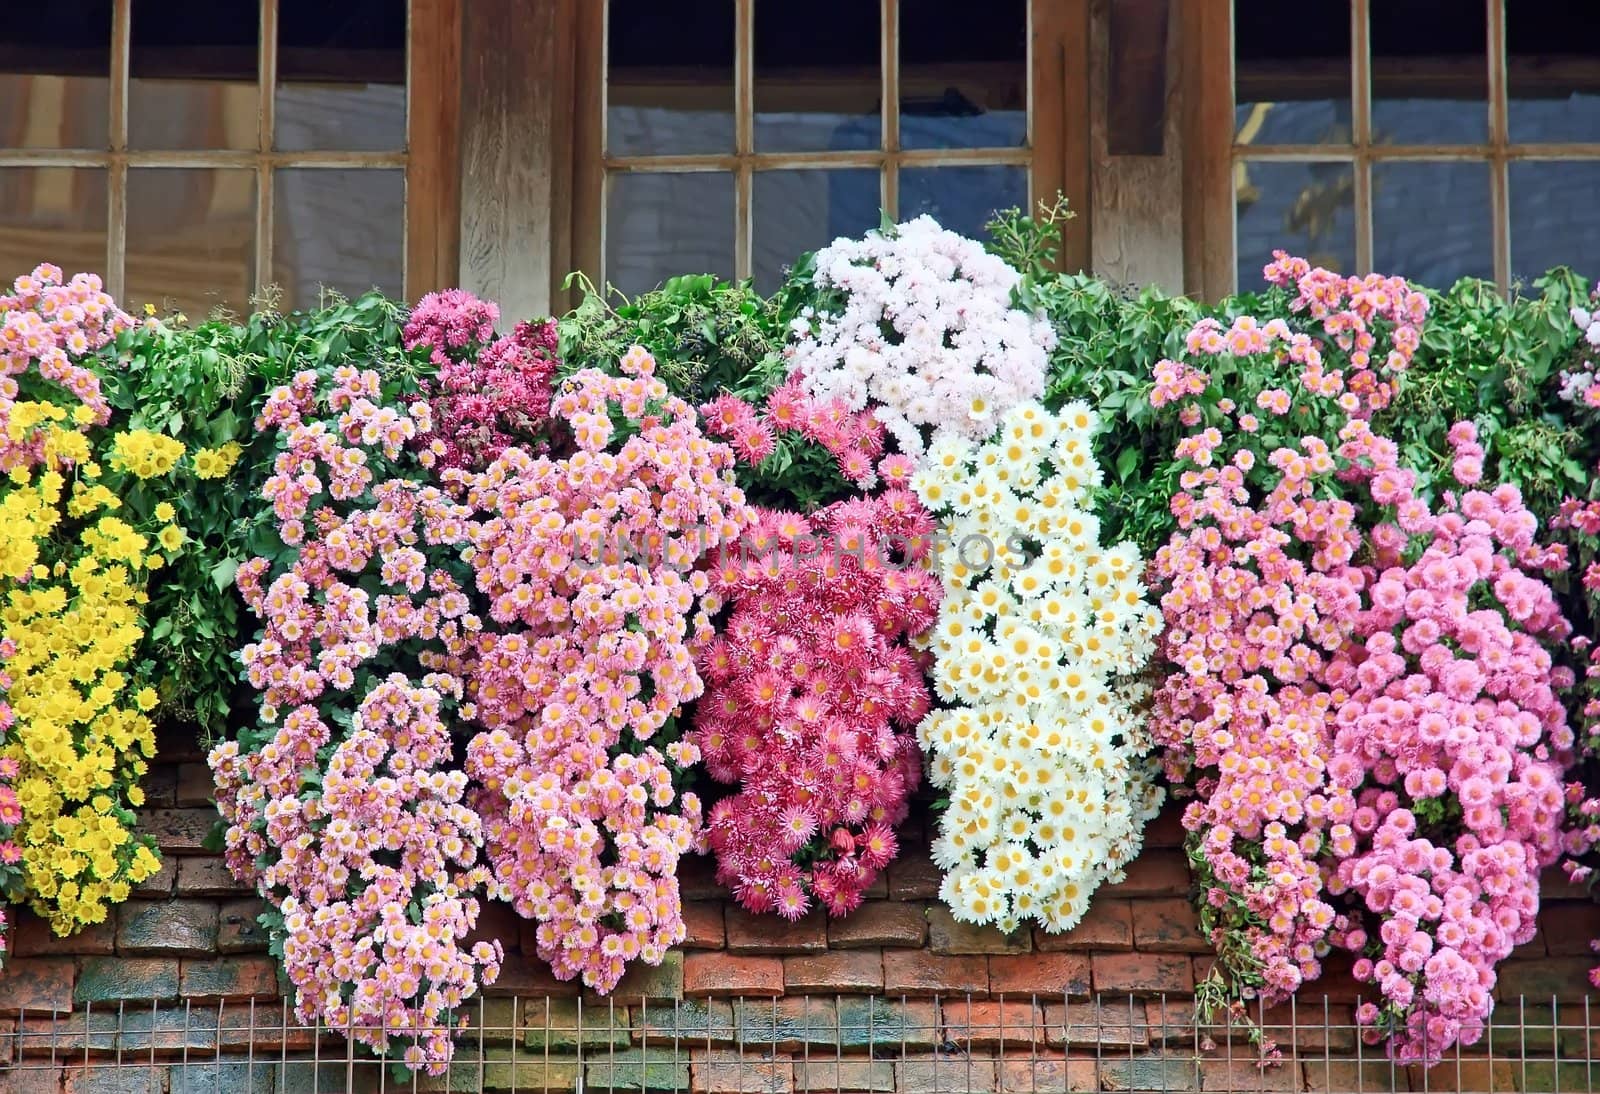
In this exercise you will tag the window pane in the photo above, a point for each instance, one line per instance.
(1430, 73)
(962, 199)
(1554, 72)
(1430, 221)
(191, 239)
(659, 225)
(55, 214)
(1555, 217)
(192, 65)
(963, 74)
(344, 230)
(817, 76)
(669, 80)
(1307, 209)
(800, 211)
(341, 82)
(1292, 72)
(55, 88)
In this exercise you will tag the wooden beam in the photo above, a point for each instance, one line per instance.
(1137, 92)
(1059, 116)
(1206, 41)
(433, 175)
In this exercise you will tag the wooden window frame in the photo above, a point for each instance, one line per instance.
(1055, 152)
(428, 160)
(1210, 220)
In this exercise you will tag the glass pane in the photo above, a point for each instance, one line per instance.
(799, 211)
(962, 199)
(963, 74)
(341, 82)
(660, 225)
(55, 214)
(191, 239)
(1291, 72)
(193, 74)
(669, 79)
(1430, 221)
(1307, 209)
(817, 76)
(55, 88)
(1430, 73)
(1554, 80)
(343, 230)
(1555, 219)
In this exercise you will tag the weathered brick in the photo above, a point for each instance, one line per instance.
(207, 876)
(1107, 925)
(1245, 1075)
(1155, 1071)
(565, 1025)
(1562, 978)
(238, 927)
(176, 742)
(1168, 925)
(1142, 973)
(231, 979)
(787, 1023)
(946, 935)
(728, 974)
(723, 1071)
(874, 1023)
(1050, 976)
(646, 1070)
(1172, 1021)
(527, 977)
(1154, 873)
(34, 938)
(1308, 1028)
(114, 1079)
(702, 921)
(1099, 1024)
(178, 830)
(937, 1074)
(1363, 1075)
(177, 927)
(308, 1076)
(1549, 1076)
(1047, 1072)
(160, 783)
(1567, 928)
(913, 876)
(749, 933)
(179, 1029)
(159, 885)
(217, 1076)
(268, 1028)
(880, 923)
(36, 984)
(35, 1079)
(643, 983)
(1467, 1074)
(700, 1021)
(697, 879)
(195, 786)
(1554, 885)
(140, 979)
(917, 972)
(840, 971)
(501, 1021)
(524, 1071)
(81, 1034)
(980, 1024)
(854, 1076)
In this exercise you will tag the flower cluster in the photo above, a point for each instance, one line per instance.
(812, 696)
(591, 567)
(1040, 743)
(918, 326)
(1582, 385)
(345, 805)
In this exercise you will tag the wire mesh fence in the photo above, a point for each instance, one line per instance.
(787, 1045)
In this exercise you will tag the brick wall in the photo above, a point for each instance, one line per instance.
(190, 934)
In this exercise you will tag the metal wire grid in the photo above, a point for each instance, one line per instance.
(789, 1045)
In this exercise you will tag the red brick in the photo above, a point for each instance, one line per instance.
(1173, 1021)
(1107, 925)
(1554, 885)
(34, 938)
(128, 1078)
(731, 974)
(880, 923)
(37, 984)
(643, 983)
(702, 921)
(178, 830)
(497, 922)
(207, 877)
(238, 929)
(1563, 978)
(750, 933)
(1242, 1075)
(722, 1071)
(1154, 873)
(840, 971)
(230, 978)
(195, 785)
(913, 876)
(936, 1074)
(40, 1079)
(528, 977)
(946, 934)
(697, 879)
(1142, 973)
(856, 1076)
(1169, 925)
(1167, 829)
(1052, 1071)
(1308, 1028)
(1101, 1024)
(1052, 977)
(976, 1024)
(1535, 946)
(1335, 985)
(1466, 1074)
(266, 1029)
(1568, 927)
(917, 972)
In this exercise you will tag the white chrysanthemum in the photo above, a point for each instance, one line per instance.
(927, 335)
(1040, 744)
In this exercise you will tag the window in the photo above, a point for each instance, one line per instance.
(1385, 134)
(738, 134)
(196, 151)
